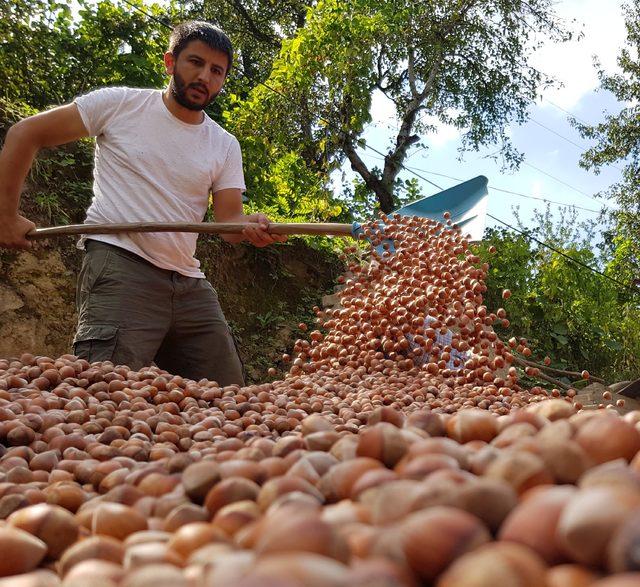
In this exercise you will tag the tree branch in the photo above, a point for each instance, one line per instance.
(405, 139)
(372, 181)
(253, 28)
(560, 371)
(395, 159)
(542, 376)
(383, 187)
(412, 73)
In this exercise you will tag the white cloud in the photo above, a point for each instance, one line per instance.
(383, 110)
(553, 154)
(536, 189)
(442, 134)
(571, 63)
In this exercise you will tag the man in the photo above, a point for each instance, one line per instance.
(141, 297)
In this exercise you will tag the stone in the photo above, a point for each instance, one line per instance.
(616, 387)
(9, 299)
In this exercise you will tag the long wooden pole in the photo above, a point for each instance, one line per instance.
(327, 228)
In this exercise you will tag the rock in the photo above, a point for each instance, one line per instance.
(330, 300)
(631, 390)
(9, 299)
(618, 386)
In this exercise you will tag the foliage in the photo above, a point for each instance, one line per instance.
(47, 59)
(580, 319)
(463, 62)
(617, 140)
(256, 28)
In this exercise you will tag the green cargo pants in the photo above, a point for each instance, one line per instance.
(133, 313)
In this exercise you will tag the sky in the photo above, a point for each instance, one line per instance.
(571, 64)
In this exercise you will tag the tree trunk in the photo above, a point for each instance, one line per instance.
(382, 189)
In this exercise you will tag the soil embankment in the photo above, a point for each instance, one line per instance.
(265, 294)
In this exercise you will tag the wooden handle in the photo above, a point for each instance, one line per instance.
(326, 228)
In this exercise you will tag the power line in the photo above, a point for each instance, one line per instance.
(566, 112)
(581, 147)
(561, 253)
(544, 200)
(561, 181)
(519, 194)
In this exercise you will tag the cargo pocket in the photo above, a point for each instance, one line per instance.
(95, 342)
(94, 265)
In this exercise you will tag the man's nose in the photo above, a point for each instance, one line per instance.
(204, 75)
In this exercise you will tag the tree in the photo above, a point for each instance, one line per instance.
(461, 62)
(257, 29)
(47, 59)
(617, 140)
(579, 318)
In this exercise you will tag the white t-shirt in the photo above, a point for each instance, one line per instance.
(152, 167)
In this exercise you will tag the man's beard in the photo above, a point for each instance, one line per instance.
(179, 90)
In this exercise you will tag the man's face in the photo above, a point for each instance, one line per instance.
(198, 75)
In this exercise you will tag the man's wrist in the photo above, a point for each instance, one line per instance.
(7, 214)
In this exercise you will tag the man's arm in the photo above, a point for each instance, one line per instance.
(227, 207)
(22, 142)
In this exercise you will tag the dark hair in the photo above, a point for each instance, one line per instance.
(199, 30)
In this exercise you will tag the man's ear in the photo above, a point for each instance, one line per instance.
(169, 62)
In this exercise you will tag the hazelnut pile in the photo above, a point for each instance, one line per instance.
(400, 450)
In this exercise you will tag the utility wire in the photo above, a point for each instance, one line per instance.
(581, 147)
(413, 171)
(328, 123)
(566, 112)
(519, 194)
(559, 252)
(496, 189)
(561, 181)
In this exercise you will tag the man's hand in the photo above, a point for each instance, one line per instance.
(13, 231)
(227, 207)
(260, 236)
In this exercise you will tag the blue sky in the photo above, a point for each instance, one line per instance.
(570, 64)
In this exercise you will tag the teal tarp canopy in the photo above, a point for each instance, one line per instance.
(467, 203)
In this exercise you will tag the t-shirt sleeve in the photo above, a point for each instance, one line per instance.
(231, 174)
(97, 108)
